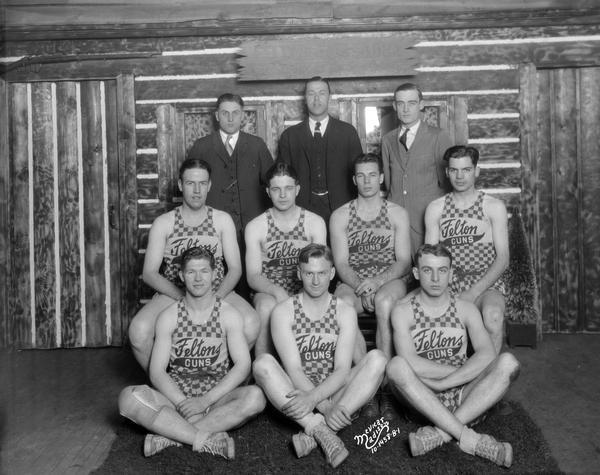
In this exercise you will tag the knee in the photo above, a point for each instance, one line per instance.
(129, 403)
(398, 371)
(254, 401)
(262, 368)
(493, 317)
(383, 306)
(141, 331)
(251, 326)
(509, 365)
(375, 362)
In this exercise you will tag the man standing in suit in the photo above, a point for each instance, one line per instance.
(414, 170)
(239, 162)
(321, 149)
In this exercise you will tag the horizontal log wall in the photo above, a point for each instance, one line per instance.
(477, 65)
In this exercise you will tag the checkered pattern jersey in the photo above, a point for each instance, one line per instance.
(442, 339)
(280, 253)
(470, 260)
(370, 243)
(316, 340)
(199, 357)
(183, 237)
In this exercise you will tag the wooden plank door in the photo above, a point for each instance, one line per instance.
(560, 111)
(66, 236)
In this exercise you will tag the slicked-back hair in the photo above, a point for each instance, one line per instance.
(459, 151)
(317, 79)
(368, 158)
(197, 252)
(409, 86)
(191, 163)
(229, 97)
(315, 251)
(438, 250)
(281, 168)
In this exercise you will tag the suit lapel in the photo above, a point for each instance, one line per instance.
(307, 140)
(220, 148)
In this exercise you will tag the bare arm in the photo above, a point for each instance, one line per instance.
(433, 212)
(254, 233)
(339, 246)
(153, 258)
(161, 352)
(231, 252)
(316, 228)
(496, 211)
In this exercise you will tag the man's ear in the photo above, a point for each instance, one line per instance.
(354, 180)
(477, 171)
(415, 272)
(179, 184)
(332, 273)
(421, 105)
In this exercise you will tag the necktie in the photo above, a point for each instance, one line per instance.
(403, 139)
(228, 145)
(318, 131)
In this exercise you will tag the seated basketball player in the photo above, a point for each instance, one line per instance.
(432, 372)
(315, 385)
(199, 360)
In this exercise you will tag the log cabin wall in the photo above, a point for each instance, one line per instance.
(474, 76)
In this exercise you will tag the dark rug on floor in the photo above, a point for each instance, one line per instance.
(263, 446)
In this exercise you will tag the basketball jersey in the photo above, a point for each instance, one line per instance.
(316, 340)
(442, 339)
(280, 253)
(184, 237)
(199, 358)
(467, 233)
(370, 243)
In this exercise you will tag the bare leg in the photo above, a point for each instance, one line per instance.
(491, 303)
(363, 382)
(385, 299)
(346, 293)
(251, 319)
(276, 384)
(264, 304)
(141, 329)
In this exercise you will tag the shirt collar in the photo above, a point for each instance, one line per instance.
(234, 137)
(412, 130)
(312, 122)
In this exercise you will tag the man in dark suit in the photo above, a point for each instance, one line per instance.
(238, 161)
(413, 165)
(321, 149)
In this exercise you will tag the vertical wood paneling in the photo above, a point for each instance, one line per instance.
(128, 198)
(459, 129)
(19, 301)
(43, 215)
(590, 187)
(68, 214)
(566, 192)
(5, 244)
(93, 213)
(166, 117)
(114, 210)
(544, 164)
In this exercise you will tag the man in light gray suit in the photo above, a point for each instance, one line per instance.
(413, 164)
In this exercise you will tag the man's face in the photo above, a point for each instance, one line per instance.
(408, 107)
(283, 190)
(316, 275)
(194, 185)
(317, 99)
(433, 273)
(367, 179)
(197, 277)
(462, 173)
(230, 115)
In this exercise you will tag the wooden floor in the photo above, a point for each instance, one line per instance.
(58, 407)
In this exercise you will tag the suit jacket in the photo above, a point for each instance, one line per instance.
(252, 160)
(343, 146)
(416, 176)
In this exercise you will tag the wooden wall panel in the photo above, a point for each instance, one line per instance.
(590, 188)
(494, 128)
(499, 152)
(68, 212)
(5, 244)
(19, 319)
(43, 214)
(93, 213)
(564, 94)
(493, 104)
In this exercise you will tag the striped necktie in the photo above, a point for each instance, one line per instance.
(317, 134)
(228, 145)
(403, 139)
